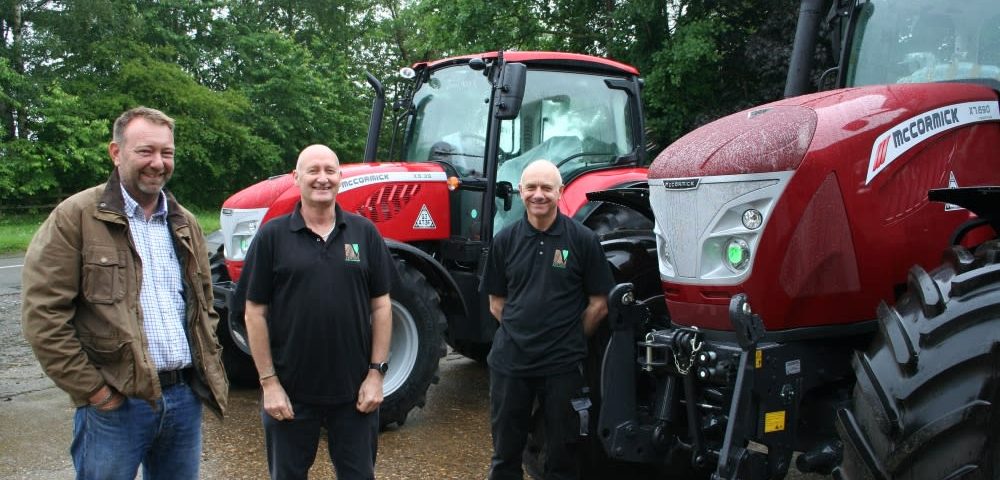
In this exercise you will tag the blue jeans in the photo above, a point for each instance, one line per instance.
(352, 441)
(166, 441)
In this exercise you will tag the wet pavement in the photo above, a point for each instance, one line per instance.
(448, 439)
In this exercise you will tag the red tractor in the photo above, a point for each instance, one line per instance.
(808, 305)
(465, 129)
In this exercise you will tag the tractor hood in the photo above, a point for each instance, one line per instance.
(803, 204)
(354, 175)
(767, 139)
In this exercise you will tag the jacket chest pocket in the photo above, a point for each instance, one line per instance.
(103, 275)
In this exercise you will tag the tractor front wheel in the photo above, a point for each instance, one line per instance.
(923, 403)
(416, 347)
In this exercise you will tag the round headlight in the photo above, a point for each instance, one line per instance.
(737, 254)
(752, 219)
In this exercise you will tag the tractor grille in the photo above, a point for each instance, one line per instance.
(694, 224)
(386, 202)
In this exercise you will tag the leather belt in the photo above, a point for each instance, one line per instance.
(169, 378)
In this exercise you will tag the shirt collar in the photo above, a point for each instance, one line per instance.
(554, 230)
(133, 209)
(296, 222)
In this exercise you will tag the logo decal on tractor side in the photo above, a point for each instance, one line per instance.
(350, 183)
(424, 220)
(911, 132)
(681, 184)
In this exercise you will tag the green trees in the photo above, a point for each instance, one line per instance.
(252, 82)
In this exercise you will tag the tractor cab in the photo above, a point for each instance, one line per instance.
(581, 113)
(916, 41)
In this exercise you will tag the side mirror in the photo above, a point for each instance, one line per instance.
(511, 86)
(505, 191)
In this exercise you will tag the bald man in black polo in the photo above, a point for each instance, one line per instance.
(319, 321)
(548, 284)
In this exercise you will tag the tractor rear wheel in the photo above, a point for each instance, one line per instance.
(417, 345)
(923, 402)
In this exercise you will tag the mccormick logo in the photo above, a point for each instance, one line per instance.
(911, 132)
(349, 183)
(351, 252)
(560, 258)
(682, 184)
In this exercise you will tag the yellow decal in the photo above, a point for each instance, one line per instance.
(759, 362)
(774, 421)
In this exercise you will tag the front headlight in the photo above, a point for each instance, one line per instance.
(708, 229)
(737, 254)
(239, 226)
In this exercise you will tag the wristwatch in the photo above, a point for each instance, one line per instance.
(381, 367)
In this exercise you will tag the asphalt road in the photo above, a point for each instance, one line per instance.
(448, 439)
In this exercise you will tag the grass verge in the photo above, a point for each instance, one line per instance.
(17, 229)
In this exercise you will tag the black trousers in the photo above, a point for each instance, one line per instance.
(511, 402)
(352, 438)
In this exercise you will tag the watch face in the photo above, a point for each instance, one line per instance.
(381, 367)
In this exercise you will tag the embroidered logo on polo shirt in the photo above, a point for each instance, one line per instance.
(352, 252)
(559, 259)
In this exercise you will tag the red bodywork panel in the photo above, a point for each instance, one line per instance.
(407, 201)
(853, 218)
(574, 196)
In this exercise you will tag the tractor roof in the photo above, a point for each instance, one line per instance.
(556, 59)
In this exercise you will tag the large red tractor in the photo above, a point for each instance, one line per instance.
(820, 300)
(465, 128)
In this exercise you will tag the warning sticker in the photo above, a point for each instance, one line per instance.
(793, 367)
(952, 183)
(424, 220)
(774, 421)
(759, 360)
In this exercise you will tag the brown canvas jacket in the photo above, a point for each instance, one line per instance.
(80, 291)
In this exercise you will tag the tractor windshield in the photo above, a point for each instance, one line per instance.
(911, 41)
(449, 119)
(572, 119)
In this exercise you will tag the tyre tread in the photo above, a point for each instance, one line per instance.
(899, 336)
(932, 418)
(413, 394)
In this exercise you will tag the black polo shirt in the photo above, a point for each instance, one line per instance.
(546, 278)
(319, 301)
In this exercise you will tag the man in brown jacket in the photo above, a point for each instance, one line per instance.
(117, 305)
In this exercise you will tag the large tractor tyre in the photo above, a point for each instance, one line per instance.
(417, 345)
(239, 366)
(923, 403)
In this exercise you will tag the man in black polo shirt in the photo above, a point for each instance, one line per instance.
(548, 284)
(319, 320)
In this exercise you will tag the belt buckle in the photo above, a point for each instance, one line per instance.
(170, 378)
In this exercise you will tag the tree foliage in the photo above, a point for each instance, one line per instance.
(252, 82)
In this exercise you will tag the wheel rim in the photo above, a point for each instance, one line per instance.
(403, 349)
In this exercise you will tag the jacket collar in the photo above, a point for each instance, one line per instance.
(113, 202)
